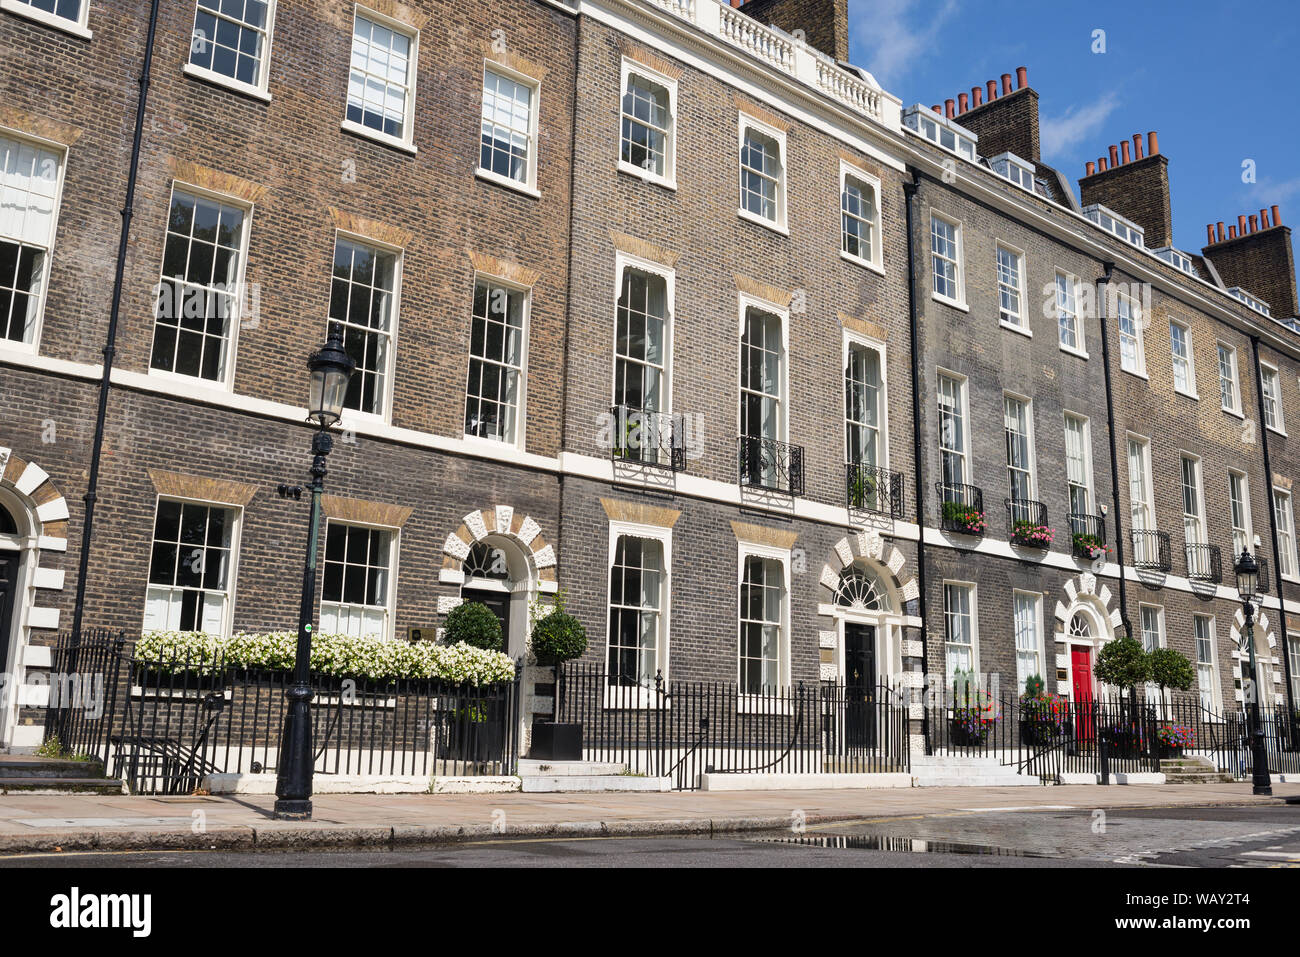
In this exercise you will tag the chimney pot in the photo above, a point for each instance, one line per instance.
(1123, 148)
(1241, 225)
(1209, 234)
(1232, 232)
(1022, 77)
(1219, 228)
(992, 90)
(1277, 217)
(1114, 156)
(1263, 219)
(976, 96)
(1153, 144)
(1254, 223)
(963, 102)
(1006, 83)
(1137, 145)
(1091, 167)
(949, 109)
(1101, 164)
(937, 109)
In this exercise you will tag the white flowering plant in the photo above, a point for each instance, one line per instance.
(343, 656)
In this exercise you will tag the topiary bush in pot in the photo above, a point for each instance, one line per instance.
(475, 625)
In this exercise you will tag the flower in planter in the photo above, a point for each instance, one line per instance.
(1176, 736)
(965, 518)
(1090, 546)
(1031, 533)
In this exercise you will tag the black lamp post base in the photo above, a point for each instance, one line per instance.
(1262, 789)
(293, 810)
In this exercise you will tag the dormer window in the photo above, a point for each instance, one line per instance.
(1112, 222)
(1177, 259)
(941, 131)
(1259, 305)
(1012, 167)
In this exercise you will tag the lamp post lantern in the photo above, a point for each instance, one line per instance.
(331, 369)
(1247, 570)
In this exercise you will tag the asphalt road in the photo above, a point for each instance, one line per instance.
(1062, 837)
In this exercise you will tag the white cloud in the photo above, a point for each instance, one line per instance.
(892, 35)
(1076, 125)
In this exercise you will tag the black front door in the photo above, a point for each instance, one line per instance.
(499, 603)
(8, 598)
(860, 685)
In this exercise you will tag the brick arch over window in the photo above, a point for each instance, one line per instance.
(1266, 652)
(504, 522)
(1083, 593)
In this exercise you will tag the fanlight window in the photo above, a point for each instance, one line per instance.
(1080, 627)
(8, 526)
(862, 590)
(486, 563)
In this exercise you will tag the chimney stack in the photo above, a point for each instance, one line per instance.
(1135, 185)
(1260, 260)
(1006, 122)
(825, 22)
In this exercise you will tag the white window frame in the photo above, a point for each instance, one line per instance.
(1286, 537)
(519, 443)
(747, 700)
(745, 123)
(1267, 372)
(1216, 689)
(1039, 655)
(236, 534)
(959, 264)
(1018, 321)
(876, 260)
(405, 142)
(529, 185)
(964, 408)
(390, 598)
(1085, 439)
(642, 697)
(1198, 489)
(1188, 360)
(850, 340)
(1247, 530)
(258, 90)
(1069, 309)
(227, 382)
(973, 589)
(1136, 318)
(747, 302)
(38, 143)
(623, 262)
(1152, 690)
(355, 415)
(669, 178)
(78, 27)
(1149, 521)
(1235, 408)
(1031, 470)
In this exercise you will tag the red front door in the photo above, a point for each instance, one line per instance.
(1081, 669)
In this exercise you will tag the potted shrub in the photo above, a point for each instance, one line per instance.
(1171, 669)
(974, 712)
(1025, 532)
(1044, 716)
(557, 638)
(475, 624)
(1125, 664)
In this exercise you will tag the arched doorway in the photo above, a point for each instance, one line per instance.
(864, 605)
(497, 575)
(12, 547)
(1084, 636)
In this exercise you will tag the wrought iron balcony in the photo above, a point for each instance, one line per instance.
(1204, 563)
(1087, 536)
(647, 437)
(1027, 521)
(771, 465)
(1151, 550)
(961, 508)
(873, 489)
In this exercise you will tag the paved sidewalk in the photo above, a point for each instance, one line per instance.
(85, 822)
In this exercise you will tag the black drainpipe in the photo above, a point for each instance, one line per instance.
(92, 484)
(910, 186)
(1272, 530)
(1104, 284)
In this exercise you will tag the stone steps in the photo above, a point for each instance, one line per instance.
(560, 777)
(60, 785)
(1194, 770)
(15, 766)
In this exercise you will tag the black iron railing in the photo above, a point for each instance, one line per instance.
(961, 508)
(1204, 563)
(647, 437)
(1087, 536)
(1151, 550)
(1027, 522)
(1265, 581)
(771, 465)
(873, 489)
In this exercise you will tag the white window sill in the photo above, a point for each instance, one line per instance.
(954, 303)
(1071, 350)
(219, 79)
(191, 381)
(776, 227)
(46, 19)
(1012, 327)
(667, 182)
(383, 138)
(1137, 375)
(490, 177)
(864, 263)
(499, 444)
(1276, 431)
(1235, 412)
(1187, 395)
(352, 418)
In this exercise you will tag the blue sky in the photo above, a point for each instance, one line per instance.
(1218, 81)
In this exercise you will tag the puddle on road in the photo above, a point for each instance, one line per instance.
(906, 845)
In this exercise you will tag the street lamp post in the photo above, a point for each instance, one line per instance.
(1247, 570)
(331, 368)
